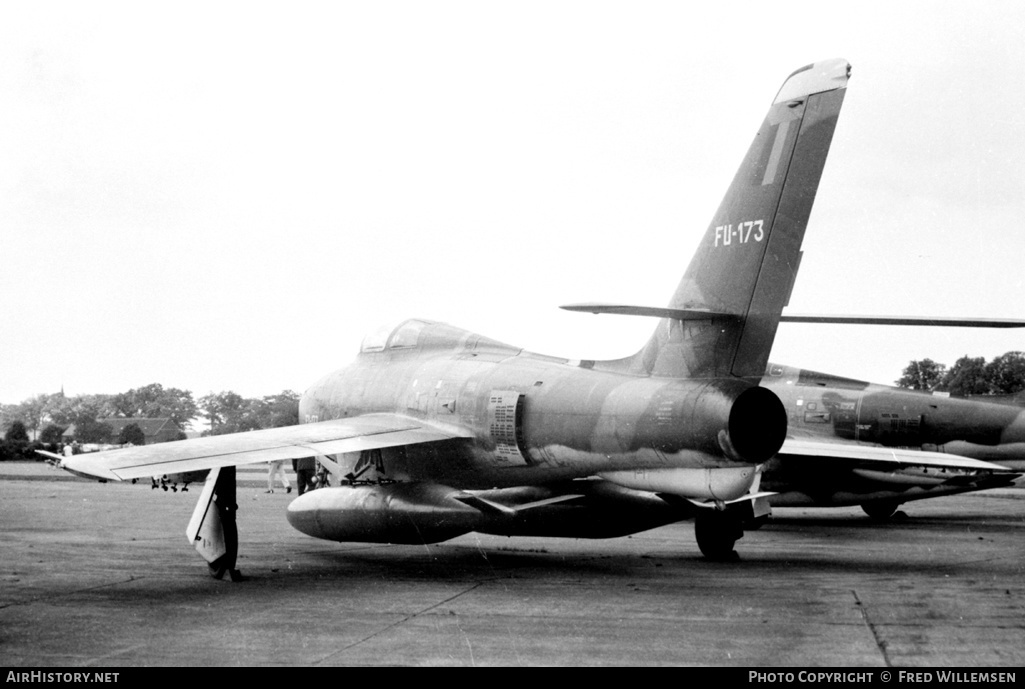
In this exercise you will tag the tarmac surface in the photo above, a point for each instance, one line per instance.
(102, 575)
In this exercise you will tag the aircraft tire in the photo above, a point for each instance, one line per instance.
(880, 510)
(716, 534)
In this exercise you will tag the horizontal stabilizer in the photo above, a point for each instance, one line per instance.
(652, 311)
(905, 320)
(707, 315)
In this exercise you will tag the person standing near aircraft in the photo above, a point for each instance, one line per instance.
(277, 467)
(227, 507)
(305, 468)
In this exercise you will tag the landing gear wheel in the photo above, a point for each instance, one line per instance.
(880, 510)
(716, 533)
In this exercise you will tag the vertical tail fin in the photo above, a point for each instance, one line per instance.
(743, 271)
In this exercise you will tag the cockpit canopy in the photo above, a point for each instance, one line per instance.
(391, 336)
(421, 334)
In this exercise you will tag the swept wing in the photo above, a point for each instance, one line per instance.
(367, 432)
(877, 460)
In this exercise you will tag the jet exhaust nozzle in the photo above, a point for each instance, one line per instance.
(757, 425)
(726, 418)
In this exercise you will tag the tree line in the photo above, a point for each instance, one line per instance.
(46, 417)
(1004, 375)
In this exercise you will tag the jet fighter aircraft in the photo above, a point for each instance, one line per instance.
(859, 417)
(434, 431)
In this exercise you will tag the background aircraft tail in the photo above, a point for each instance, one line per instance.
(733, 293)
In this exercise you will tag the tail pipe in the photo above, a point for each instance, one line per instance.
(757, 426)
(726, 418)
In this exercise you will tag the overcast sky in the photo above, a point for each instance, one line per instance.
(228, 196)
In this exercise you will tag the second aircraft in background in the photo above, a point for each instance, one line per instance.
(857, 417)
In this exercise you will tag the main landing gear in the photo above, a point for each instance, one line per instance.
(717, 531)
(880, 510)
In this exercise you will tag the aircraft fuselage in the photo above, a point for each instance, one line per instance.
(529, 419)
